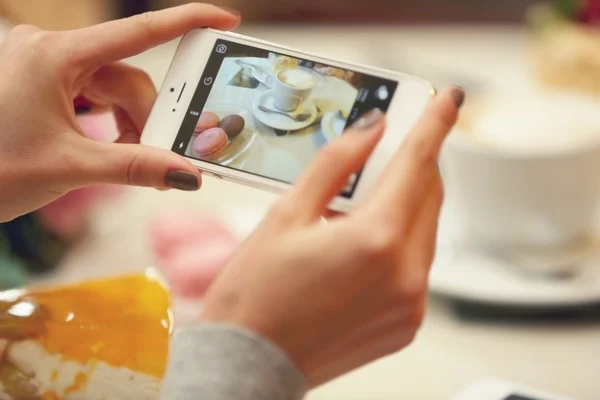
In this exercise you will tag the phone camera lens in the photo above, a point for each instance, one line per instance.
(172, 90)
(173, 110)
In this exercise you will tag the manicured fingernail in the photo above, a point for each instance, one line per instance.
(82, 110)
(182, 180)
(369, 120)
(458, 95)
(231, 10)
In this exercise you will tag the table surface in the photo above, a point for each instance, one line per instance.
(448, 354)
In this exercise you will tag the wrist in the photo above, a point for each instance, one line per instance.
(212, 356)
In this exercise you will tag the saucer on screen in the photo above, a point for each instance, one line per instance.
(332, 125)
(282, 122)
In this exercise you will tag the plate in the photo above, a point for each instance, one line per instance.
(257, 72)
(282, 122)
(240, 144)
(332, 125)
(464, 273)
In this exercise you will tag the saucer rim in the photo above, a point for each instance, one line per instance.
(329, 115)
(301, 125)
(457, 284)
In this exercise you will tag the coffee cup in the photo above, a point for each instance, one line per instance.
(523, 175)
(291, 88)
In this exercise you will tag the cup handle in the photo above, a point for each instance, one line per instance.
(269, 81)
(298, 98)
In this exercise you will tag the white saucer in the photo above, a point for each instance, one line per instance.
(282, 122)
(332, 125)
(470, 275)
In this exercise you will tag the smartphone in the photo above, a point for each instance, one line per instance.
(496, 389)
(256, 113)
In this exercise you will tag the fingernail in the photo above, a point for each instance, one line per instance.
(182, 180)
(231, 10)
(81, 110)
(458, 95)
(369, 120)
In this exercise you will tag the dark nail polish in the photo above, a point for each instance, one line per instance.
(182, 180)
(369, 119)
(458, 95)
(231, 10)
(81, 110)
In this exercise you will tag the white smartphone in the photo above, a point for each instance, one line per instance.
(256, 113)
(496, 389)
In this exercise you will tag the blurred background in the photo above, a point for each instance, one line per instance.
(531, 71)
(65, 14)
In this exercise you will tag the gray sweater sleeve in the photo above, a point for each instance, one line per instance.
(219, 362)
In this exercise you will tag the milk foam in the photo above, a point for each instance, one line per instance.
(297, 78)
(548, 122)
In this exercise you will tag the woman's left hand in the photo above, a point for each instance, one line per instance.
(43, 151)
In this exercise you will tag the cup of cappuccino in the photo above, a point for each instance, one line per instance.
(292, 87)
(523, 172)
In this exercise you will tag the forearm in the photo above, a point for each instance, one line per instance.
(218, 362)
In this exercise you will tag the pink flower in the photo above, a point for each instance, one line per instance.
(190, 249)
(590, 14)
(68, 216)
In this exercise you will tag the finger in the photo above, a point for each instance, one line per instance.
(423, 235)
(115, 40)
(136, 165)
(332, 214)
(23, 30)
(128, 132)
(329, 172)
(125, 87)
(404, 183)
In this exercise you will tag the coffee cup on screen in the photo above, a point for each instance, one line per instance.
(521, 172)
(291, 88)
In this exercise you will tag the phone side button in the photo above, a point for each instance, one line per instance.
(213, 175)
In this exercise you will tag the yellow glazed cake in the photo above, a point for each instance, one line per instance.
(96, 340)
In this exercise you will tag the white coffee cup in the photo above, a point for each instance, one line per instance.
(528, 178)
(291, 88)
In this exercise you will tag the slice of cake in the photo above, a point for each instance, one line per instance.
(97, 340)
(566, 44)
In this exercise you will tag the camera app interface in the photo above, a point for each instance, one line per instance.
(268, 114)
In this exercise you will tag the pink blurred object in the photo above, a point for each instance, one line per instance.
(68, 215)
(591, 12)
(190, 249)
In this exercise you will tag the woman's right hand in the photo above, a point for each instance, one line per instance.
(338, 295)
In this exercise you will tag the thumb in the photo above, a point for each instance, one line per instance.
(138, 165)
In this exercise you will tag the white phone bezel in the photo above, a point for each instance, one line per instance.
(188, 67)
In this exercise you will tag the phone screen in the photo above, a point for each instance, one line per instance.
(267, 113)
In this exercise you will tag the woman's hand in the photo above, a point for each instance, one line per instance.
(338, 295)
(43, 151)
